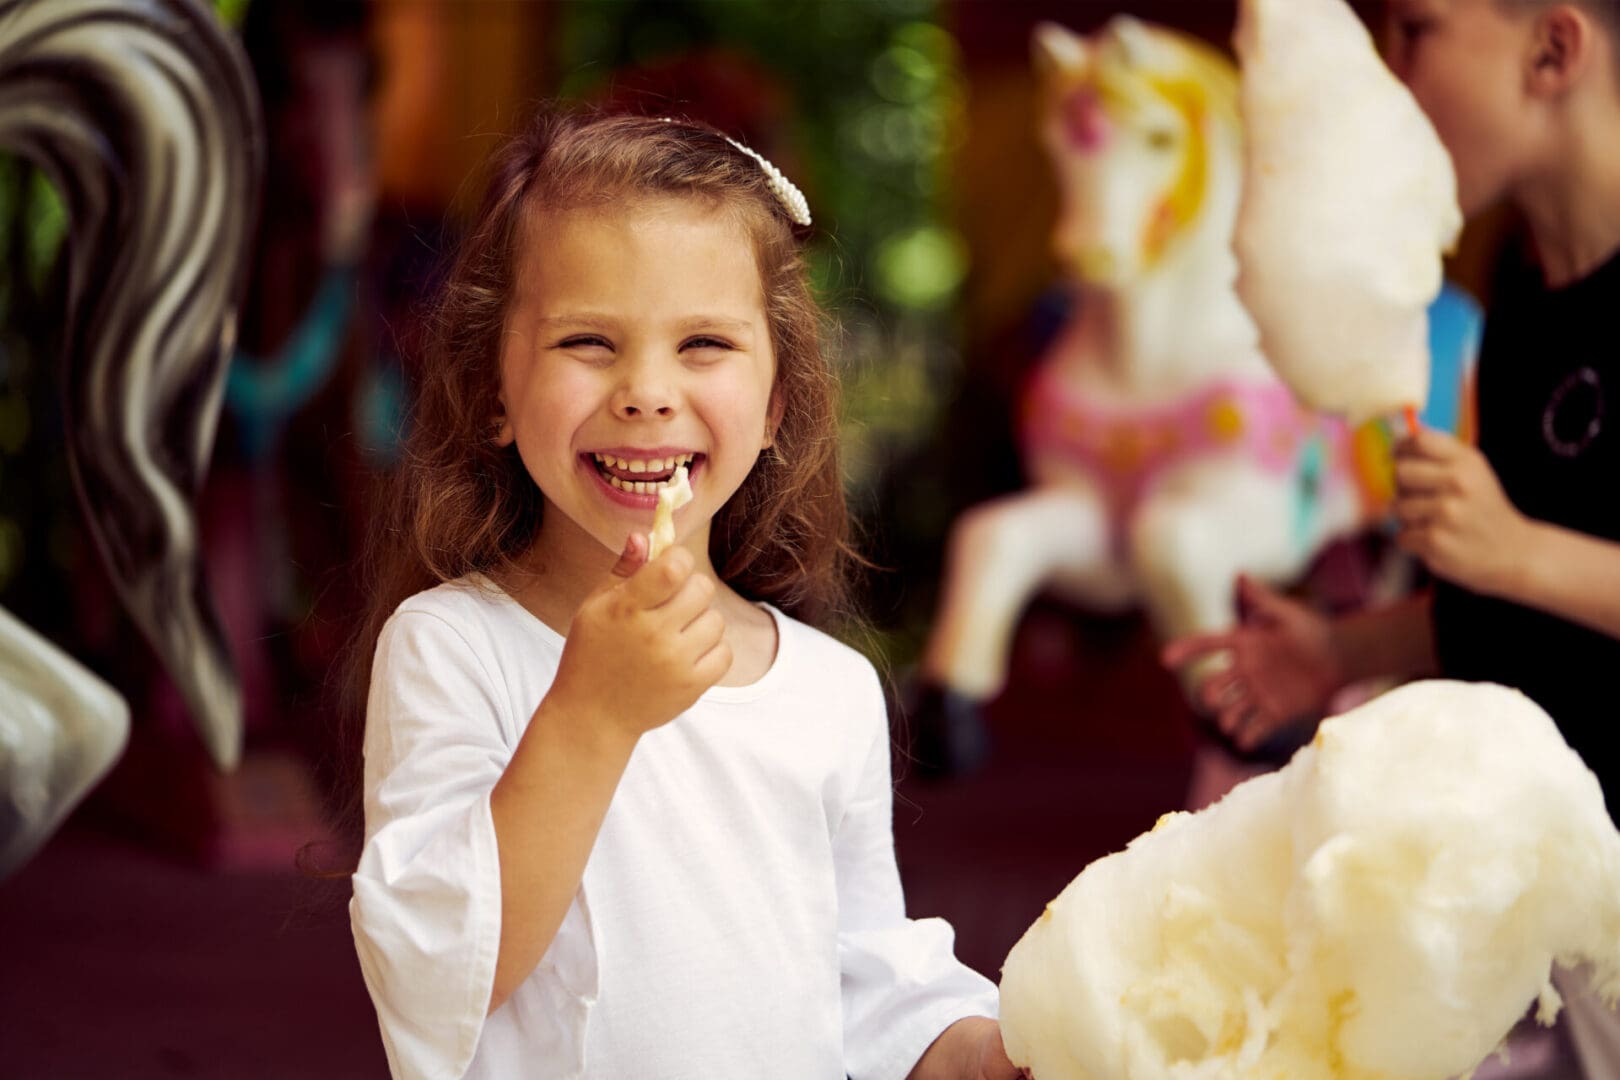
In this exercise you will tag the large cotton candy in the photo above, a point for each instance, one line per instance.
(1386, 905)
(1349, 200)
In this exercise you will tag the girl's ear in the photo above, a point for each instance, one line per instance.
(504, 435)
(773, 420)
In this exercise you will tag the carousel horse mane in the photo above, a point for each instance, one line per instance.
(143, 114)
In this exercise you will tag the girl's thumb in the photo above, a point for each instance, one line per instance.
(633, 556)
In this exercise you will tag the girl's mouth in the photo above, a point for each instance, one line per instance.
(640, 476)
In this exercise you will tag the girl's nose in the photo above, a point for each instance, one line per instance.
(643, 393)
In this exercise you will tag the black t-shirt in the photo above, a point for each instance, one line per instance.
(1549, 423)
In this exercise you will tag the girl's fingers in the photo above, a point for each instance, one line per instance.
(689, 601)
(632, 558)
(656, 582)
(712, 666)
(705, 632)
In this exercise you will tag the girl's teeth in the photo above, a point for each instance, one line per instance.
(641, 465)
(638, 487)
(651, 464)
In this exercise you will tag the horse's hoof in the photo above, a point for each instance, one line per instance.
(949, 738)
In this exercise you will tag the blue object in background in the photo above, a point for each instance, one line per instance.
(1455, 325)
(265, 393)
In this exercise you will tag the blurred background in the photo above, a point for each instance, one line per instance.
(165, 930)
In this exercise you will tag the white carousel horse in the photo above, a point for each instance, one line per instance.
(1163, 454)
(143, 115)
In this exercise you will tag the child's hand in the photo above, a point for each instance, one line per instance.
(1284, 666)
(992, 1060)
(1455, 516)
(645, 645)
(969, 1049)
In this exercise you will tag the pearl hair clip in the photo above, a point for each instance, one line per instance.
(786, 192)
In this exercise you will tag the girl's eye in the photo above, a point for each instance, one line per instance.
(705, 343)
(583, 341)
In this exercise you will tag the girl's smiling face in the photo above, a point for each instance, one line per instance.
(637, 335)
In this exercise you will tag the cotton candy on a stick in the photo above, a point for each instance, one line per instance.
(1384, 907)
(1349, 201)
(671, 497)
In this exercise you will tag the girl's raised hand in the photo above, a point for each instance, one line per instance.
(645, 645)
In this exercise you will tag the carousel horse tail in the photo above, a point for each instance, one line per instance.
(144, 116)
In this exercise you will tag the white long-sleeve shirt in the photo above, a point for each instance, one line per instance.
(740, 915)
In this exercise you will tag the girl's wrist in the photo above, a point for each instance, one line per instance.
(585, 728)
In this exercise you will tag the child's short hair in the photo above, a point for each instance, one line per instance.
(462, 504)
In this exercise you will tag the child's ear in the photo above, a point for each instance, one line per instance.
(1562, 46)
(504, 435)
(773, 420)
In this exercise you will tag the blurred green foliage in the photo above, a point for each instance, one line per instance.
(232, 12)
(33, 223)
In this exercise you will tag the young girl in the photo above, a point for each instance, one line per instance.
(631, 818)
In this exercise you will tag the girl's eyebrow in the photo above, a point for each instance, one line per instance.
(717, 322)
(586, 320)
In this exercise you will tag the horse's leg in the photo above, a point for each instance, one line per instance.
(999, 555)
(61, 727)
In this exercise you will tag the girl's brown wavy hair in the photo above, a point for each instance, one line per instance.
(459, 503)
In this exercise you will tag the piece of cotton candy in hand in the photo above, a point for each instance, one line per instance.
(1387, 905)
(1349, 201)
(671, 497)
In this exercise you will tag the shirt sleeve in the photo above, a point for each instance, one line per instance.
(902, 983)
(426, 911)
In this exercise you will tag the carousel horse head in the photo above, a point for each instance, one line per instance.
(1142, 127)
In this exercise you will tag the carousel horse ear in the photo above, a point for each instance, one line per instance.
(1056, 50)
(1136, 40)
